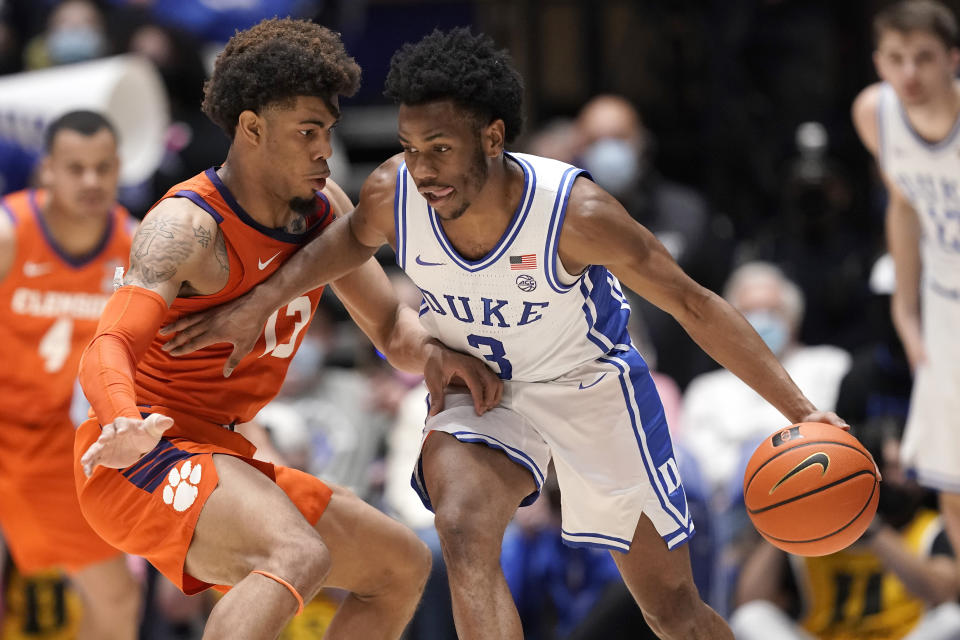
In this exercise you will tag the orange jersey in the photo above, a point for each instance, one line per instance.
(50, 304)
(194, 384)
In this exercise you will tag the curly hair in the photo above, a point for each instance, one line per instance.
(457, 65)
(275, 62)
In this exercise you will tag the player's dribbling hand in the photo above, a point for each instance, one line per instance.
(235, 323)
(124, 441)
(827, 417)
(445, 366)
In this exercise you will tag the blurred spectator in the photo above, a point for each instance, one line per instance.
(897, 582)
(722, 414)
(434, 617)
(724, 419)
(614, 146)
(193, 142)
(554, 585)
(75, 32)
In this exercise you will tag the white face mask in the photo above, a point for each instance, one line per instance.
(772, 329)
(75, 44)
(612, 163)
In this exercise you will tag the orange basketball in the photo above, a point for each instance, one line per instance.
(811, 489)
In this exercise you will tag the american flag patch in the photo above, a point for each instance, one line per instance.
(526, 261)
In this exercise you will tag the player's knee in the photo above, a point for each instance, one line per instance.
(674, 611)
(465, 534)
(302, 560)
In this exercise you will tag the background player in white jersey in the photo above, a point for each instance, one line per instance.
(911, 123)
(509, 251)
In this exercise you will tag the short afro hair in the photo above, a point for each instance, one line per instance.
(468, 69)
(277, 61)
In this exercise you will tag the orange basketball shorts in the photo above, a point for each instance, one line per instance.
(150, 509)
(39, 513)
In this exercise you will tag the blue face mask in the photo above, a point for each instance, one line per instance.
(772, 329)
(612, 163)
(74, 44)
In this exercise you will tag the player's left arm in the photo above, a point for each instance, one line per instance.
(395, 329)
(598, 230)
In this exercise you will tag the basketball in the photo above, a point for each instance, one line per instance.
(811, 489)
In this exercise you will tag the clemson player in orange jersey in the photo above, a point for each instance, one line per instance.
(59, 247)
(160, 471)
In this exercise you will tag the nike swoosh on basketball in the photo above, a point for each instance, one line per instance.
(592, 383)
(819, 458)
(263, 265)
(424, 263)
(35, 269)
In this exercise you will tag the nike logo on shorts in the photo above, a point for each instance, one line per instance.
(424, 263)
(592, 383)
(263, 265)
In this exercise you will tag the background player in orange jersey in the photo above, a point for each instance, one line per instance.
(160, 471)
(59, 247)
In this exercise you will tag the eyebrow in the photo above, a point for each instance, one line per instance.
(320, 123)
(427, 139)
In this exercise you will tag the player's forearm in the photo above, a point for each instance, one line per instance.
(331, 255)
(929, 579)
(407, 346)
(730, 340)
(108, 366)
(902, 231)
(761, 575)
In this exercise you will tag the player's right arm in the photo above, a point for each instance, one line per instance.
(174, 248)
(902, 231)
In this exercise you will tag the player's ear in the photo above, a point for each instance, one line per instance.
(44, 173)
(493, 138)
(249, 127)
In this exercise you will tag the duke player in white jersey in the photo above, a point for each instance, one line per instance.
(910, 121)
(518, 258)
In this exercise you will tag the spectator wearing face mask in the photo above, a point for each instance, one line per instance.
(723, 417)
(75, 32)
(611, 142)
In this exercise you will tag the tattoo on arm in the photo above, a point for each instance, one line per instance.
(202, 235)
(159, 247)
(220, 248)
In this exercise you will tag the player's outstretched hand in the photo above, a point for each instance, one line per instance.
(827, 417)
(236, 323)
(445, 366)
(124, 441)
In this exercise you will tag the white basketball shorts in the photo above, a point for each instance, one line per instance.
(604, 428)
(931, 441)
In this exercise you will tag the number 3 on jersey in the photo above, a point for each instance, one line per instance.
(299, 307)
(497, 354)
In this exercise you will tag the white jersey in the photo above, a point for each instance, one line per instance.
(517, 307)
(928, 174)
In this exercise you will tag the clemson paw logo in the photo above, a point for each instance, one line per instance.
(181, 488)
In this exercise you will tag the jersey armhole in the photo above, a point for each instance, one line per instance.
(198, 200)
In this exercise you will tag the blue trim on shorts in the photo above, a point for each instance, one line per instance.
(419, 484)
(652, 435)
(149, 472)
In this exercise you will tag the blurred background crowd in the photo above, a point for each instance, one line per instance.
(723, 126)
